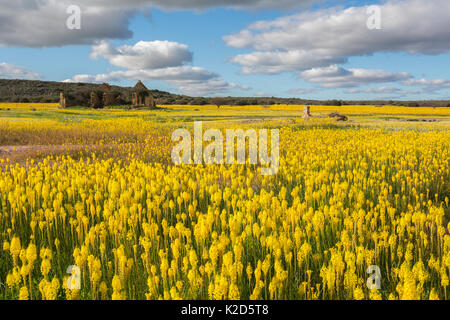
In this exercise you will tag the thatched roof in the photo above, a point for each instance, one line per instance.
(139, 87)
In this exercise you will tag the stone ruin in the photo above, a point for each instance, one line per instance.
(95, 101)
(307, 112)
(105, 96)
(62, 101)
(141, 96)
(109, 98)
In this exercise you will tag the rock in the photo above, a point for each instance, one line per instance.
(338, 116)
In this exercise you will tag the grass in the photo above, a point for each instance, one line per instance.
(177, 113)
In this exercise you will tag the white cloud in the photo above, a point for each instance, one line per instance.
(428, 87)
(42, 23)
(210, 87)
(302, 91)
(382, 90)
(10, 71)
(144, 54)
(204, 4)
(353, 91)
(157, 60)
(379, 90)
(84, 78)
(432, 85)
(281, 61)
(315, 39)
(188, 80)
(185, 73)
(337, 77)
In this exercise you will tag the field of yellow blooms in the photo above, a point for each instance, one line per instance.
(123, 222)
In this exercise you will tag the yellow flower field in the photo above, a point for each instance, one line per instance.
(27, 105)
(136, 226)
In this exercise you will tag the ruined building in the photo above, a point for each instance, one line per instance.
(141, 96)
(104, 96)
(62, 101)
(109, 98)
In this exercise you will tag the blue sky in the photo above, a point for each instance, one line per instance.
(309, 49)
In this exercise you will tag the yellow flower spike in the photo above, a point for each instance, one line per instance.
(117, 288)
(23, 293)
(15, 248)
(342, 200)
(103, 289)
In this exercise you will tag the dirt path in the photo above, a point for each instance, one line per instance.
(21, 153)
(21, 149)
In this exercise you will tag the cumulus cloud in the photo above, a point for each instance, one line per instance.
(382, 90)
(157, 60)
(302, 91)
(193, 81)
(10, 71)
(32, 23)
(338, 77)
(205, 4)
(84, 78)
(281, 61)
(429, 85)
(210, 87)
(184, 73)
(144, 54)
(315, 39)
(379, 90)
(42, 23)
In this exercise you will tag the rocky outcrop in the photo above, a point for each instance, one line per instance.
(338, 116)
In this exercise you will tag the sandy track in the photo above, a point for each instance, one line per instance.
(20, 153)
(28, 148)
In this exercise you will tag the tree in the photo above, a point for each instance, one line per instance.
(200, 101)
(218, 101)
(335, 103)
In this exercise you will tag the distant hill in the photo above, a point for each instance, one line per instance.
(48, 92)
